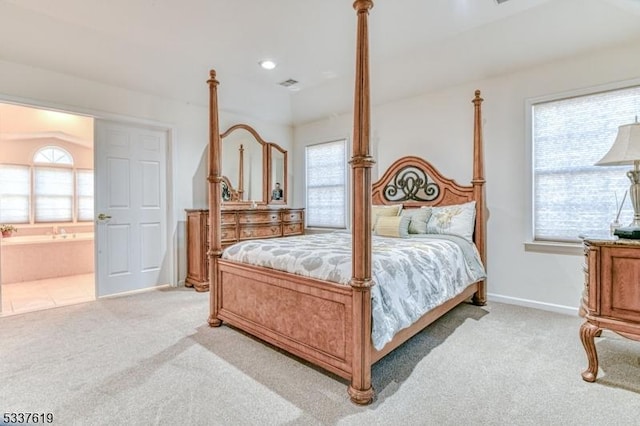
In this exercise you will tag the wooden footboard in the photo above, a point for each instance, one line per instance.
(305, 316)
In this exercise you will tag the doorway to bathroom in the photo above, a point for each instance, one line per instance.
(46, 205)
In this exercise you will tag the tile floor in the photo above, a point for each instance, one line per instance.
(44, 294)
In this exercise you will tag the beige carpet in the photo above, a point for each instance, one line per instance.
(151, 359)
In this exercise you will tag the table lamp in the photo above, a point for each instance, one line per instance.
(626, 150)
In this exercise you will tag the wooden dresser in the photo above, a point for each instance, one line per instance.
(611, 297)
(237, 225)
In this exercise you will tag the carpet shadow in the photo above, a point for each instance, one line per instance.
(396, 367)
(387, 374)
(619, 363)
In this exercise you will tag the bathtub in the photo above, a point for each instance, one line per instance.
(44, 239)
(37, 257)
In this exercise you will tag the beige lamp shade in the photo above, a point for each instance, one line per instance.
(625, 149)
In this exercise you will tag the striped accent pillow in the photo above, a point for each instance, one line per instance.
(378, 211)
(393, 226)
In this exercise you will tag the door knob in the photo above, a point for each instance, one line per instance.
(103, 216)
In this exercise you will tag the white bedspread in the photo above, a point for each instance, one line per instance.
(411, 275)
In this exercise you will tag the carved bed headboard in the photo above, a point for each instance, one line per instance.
(414, 182)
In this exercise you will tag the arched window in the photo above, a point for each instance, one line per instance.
(53, 155)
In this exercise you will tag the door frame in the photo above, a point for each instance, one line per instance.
(172, 226)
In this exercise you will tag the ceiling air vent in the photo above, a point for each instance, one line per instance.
(288, 83)
(501, 1)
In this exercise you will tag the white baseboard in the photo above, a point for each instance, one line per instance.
(142, 290)
(561, 309)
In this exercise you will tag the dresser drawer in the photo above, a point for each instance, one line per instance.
(228, 234)
(292, 228)
(292, 216)
(259, 231)
(258, 217)
(228, 218)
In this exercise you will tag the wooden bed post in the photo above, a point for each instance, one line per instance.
(241, 173)
(215, 197)
(360, 389)
(480, 297)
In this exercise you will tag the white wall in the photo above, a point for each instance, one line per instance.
(438, 127)
(190, 123)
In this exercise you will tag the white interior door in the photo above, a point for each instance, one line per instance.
(131, 199)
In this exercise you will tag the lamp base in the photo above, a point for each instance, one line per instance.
(628, 232)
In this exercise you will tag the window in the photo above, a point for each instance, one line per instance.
(53, 193)
(50, 190)
(326, 166)
(571, 196)
(84, 194)
(15, 189)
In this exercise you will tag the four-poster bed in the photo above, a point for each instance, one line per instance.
(324, 322)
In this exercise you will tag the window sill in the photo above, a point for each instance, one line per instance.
(554, 248)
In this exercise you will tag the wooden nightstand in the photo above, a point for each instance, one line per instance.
(611, 297)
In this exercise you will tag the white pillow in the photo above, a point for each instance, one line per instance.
(377, 211)
(456, 219)
(419, 218)
(393, 226)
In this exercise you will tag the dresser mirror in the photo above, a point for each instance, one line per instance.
(277, 174)
(244, 166)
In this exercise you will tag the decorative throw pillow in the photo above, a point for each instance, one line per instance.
(378, 211)
(456, 219)
(393, 226)
(419, 218)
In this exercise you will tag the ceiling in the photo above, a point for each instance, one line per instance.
(166, 47)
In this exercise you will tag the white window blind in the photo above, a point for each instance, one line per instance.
(84, 194)
(15, 188)
(326, 166)
(53, 193)
(571, 196)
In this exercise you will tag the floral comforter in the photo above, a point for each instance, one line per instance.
(411, 275)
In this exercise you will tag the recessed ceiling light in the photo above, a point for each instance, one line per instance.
(267, 64)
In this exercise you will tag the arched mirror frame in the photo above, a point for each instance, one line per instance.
(283, 181)
(265, 166)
